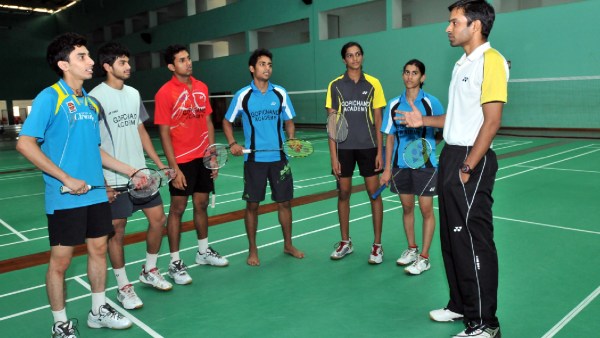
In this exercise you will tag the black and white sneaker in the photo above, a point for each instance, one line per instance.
(480, 331)
(66, 329)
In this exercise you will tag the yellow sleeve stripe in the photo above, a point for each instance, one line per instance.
(379, 100)
(495, 83)
(62, 95)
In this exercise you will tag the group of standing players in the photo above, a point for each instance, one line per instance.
(66, 125)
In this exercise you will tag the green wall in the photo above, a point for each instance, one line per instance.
(554, 41)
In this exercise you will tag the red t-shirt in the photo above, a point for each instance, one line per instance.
(185, 111)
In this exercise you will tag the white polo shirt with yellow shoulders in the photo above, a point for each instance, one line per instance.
(478, 78)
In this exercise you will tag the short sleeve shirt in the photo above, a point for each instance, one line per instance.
(356, 102)
(122, 113)
(66, 127)
(263, 117)
(479, 78)
(185, 112)
(429, 105)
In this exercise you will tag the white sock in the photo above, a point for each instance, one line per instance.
(121, 277)
(150, 261)
(60, 315)
(175, 256)
(377, 244)
(98, 299)
(202, 245)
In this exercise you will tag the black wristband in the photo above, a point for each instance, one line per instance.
(232, 143)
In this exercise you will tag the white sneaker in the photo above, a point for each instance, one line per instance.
(376, 254)
(66, 329)
(127, 296)
(418, 266)
(108, 317)
(342, 248)
(211, 257)
(480, 331)
(155, 279)
(408, 256)
(178, 271)
(444, 315)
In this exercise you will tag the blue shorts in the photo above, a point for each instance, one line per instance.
(279, 175)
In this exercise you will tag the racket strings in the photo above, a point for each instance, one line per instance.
(298, 148)
(337, 127)
(145, 183)
(215, 156)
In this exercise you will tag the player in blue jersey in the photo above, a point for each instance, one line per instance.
(61, 137)
(405, 181)
(264, 109)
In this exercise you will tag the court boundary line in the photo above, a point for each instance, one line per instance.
(572, 314)
(121, 310)
(14, 231)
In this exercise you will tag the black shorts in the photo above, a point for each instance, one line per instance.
(365, 158)
(420, 182)
(279, 175)
(70, 227)
(124, 206)
(197, 178)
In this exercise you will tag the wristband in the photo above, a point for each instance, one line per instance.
(232, 143)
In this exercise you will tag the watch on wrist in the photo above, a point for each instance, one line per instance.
(466, 169)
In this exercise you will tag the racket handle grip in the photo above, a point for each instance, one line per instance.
(378, 192)
(247, 151)
(213, 200)
(64, 189)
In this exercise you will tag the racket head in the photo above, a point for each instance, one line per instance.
(215, 156)
(417, 153)
(166, 175)
(298, 148)
(337, 127)
(144, 183)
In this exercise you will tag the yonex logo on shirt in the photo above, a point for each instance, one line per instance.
(457, 229)
(365, 92)
(465, 79)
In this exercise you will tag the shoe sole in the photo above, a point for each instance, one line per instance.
(404, 264)
(415, 274)
(95, 325)
(131, 308)
(154, 286)
(175, 281)
(217, 265)
(374, 262)
(445, 321)
(335, 258)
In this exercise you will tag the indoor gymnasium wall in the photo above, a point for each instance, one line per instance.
(546, 42)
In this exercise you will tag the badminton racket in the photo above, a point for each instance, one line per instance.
(292, 147)
(142, 184)
(415, 155)
(337, 127)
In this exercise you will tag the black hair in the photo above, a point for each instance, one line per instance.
(60, 48)
(477, 10)
(351, 44)
(171, 51)
(418, 64)
(109, 54)
(257, 54)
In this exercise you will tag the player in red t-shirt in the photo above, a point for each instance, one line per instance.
(182, 113)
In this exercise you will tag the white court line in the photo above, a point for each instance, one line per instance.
(25, 239)
(24, 231)
(561, 169)
(505, 146)
(566, 319)
(21, 196)
(124, 312)
(548, 225)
